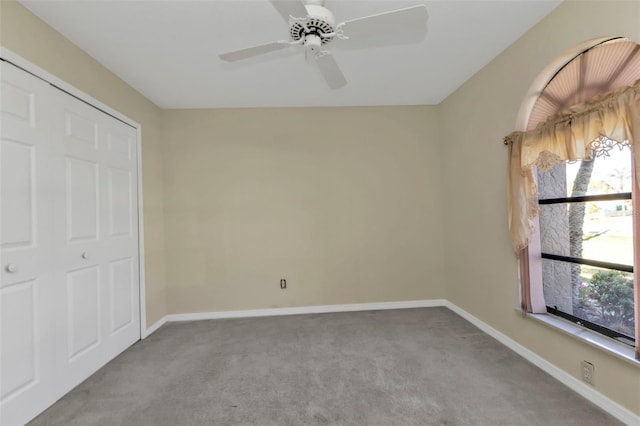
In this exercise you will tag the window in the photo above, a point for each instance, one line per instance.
(586, 234)
(574, 192)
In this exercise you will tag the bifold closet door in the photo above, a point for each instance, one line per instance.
(95, 236)
(27, 292)
(70, 283)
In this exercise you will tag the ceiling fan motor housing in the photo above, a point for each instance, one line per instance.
(320, 22)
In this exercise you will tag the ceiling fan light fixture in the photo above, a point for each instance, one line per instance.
(313, 25)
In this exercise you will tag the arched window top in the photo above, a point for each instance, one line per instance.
(608, 65)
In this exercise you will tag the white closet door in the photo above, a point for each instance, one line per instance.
(27, 293)
(120, 226)
(95, 237)
(69, 294)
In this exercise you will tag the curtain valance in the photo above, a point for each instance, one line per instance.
(575, 133)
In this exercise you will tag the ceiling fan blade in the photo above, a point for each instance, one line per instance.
(401, 20)
(330, 70)
(288, 8)
(254, 51)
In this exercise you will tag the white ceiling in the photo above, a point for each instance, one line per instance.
(168, 50)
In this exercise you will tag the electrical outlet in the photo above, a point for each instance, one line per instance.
(283, 283)
(588, 371)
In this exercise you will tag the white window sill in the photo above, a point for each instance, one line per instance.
(609, 345)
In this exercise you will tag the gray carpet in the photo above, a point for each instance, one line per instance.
(401, 367)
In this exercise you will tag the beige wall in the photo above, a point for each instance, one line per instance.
(25, 34)
(342, 202)
(480, 265)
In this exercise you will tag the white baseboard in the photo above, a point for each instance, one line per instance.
(146, 333)
(307, 310)
(618, 411)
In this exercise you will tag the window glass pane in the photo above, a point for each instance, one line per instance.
(601, 230)
(601, 296)
(602, 175)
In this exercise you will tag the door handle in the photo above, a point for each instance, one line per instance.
(85, 255)
(11, 268)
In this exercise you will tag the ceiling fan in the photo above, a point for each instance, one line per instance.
(313, 26)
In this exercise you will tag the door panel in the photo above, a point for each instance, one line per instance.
(18, 102)
(119, 145)
(120, 202)
(82, 199)
(83, 295)
(18, 328)
(81, 132)
(18, 213)
(122, 288)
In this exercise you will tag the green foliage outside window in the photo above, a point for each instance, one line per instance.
(612, 292)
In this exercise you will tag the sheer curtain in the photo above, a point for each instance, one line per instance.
(576, 133)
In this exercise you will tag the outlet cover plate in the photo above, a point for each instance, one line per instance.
(588, 371)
